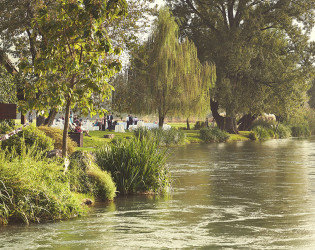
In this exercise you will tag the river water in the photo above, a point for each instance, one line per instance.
(243, 195)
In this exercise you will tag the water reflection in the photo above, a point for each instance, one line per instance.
(235, 195)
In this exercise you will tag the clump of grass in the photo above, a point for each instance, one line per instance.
(300, 130)
(199, 125)
(34, 189)
(169, 137)
(213, 135)
(56, 135)
(283, 131)
(263, 133)
(86, 177)
(136, 165)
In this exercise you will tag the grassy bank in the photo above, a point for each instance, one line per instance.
(192, 136)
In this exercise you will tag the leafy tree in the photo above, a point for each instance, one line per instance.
(8, 88)
(76, 56)
(166, 76)
(236, 35)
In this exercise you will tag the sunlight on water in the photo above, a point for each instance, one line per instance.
(234, 195)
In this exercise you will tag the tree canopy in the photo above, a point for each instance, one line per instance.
(260, 50)
(166, 76)
(76, 57)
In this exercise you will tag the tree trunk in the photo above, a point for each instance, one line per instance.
(188, 125)
(217, 117)
(52, 114)
(246, 122)
(65, 128)
(40, 120)
(230, 125)
(161, 120)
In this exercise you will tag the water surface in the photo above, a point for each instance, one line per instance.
(243, 195)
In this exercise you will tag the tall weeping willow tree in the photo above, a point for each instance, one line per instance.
(166, 75)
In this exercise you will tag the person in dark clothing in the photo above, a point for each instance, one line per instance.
(110, 119)
(130, 120)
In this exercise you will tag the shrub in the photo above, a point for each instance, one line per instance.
(34, 189)
(253, 136)
(270, 124)
(57, 135)
(136, 165)
(213, 135)
(6, 126)
(263, 133)
(300, 130)
(86, 177)
(199, 125)
(283, 131)
(163, 137)
(29, 136)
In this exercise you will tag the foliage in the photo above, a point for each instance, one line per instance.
(166, 76)
(213, 135)
(34, 189)
(8, 87)
(6, 126)
(56, 135)
(253, 136)
(86, 177)
(199, 125)
(270, 124)
(300, 130)
(135, 165)
(29, 136)
(283, 131)
(260, 49)
(163, 137)
(311, 120)
(75, 58)
(263, 133)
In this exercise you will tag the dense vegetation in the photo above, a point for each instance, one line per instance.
(135, 165)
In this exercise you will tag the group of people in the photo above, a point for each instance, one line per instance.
(78, 126)
(131, 121)
(109, 120)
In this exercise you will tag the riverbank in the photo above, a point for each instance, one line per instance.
(97, 138)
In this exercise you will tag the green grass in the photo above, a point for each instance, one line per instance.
(242, 136)
(97, 139)
(192, 136)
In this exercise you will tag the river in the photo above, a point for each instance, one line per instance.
(242, 195)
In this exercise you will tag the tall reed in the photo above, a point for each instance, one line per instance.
(33, 188)
(136, 165)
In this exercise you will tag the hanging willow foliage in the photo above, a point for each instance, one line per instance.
(166, 76)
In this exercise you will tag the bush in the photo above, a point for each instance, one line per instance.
(136, 165)
(263, 133)
(283, 131)
(169, 137)
(86, 177)
(57, 135)
(253, 136)
(270, 124)
(29, 136)
(213, 135)
(300, 130)
(199, 125)
(34, 189)
(6, 126)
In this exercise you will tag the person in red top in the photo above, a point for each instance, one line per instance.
(79, 129)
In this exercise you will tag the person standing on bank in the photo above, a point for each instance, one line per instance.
(30, 117)
(110, 121)
(130, 120)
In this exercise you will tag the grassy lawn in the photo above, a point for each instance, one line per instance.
(192, 136)
(97, 139)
